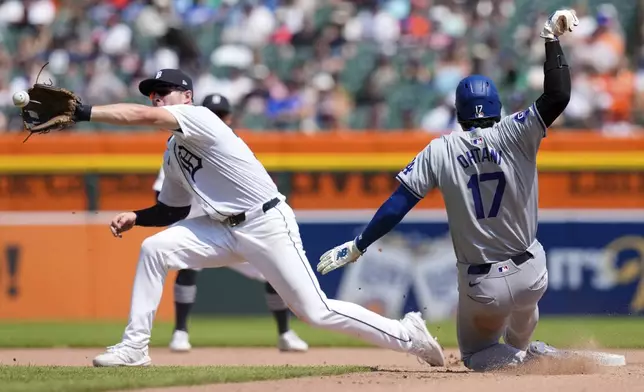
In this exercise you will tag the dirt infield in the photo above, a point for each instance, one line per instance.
(395, 371)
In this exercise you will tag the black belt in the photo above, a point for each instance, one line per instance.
(234, 220)
(482, 269)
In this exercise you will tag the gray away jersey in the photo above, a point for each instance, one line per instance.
(488, 179)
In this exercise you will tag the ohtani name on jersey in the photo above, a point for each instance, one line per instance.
(479, 155)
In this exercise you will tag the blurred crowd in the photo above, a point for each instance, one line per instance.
(319, 65)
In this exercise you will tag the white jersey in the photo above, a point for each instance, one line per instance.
(195, 208)
(207, 164)
(489, 182)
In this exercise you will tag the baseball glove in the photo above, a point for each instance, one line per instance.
(50, 108)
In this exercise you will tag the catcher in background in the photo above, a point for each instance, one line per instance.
(185, 287)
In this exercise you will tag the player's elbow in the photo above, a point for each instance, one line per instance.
(559, 103)
(561, 99)
(552, 105)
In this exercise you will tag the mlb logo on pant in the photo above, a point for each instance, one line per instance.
(504, 268)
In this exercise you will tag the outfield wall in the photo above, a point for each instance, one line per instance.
(63, 265)
(329, 170)
(57, 264)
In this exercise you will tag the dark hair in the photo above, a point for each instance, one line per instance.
(222, 114)
(480, 123)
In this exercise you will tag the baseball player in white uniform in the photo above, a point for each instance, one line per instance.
(185, 287)
(247, 220)
(487, 176)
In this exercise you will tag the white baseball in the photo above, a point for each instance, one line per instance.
(20, 99)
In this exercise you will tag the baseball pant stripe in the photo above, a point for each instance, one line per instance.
(304, 263)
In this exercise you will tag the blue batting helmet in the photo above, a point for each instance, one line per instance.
(477, 98)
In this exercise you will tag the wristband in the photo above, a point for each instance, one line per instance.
(83, 113)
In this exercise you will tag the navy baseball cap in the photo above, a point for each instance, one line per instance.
(169, 76)
(217, 103)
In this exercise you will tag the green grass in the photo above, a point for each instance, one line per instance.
(71, 379)
(615, 332)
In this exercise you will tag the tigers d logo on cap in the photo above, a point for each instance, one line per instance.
(169, 76)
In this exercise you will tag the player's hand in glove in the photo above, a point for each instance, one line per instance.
(122, 223)
(558, 23)
(338, 257)
(51, 108)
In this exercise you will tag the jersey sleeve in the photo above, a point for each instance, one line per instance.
(524, 130)
(418, 176)
(196, 122)
(173, 194)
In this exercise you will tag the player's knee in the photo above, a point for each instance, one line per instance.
(150, 247)
(186, 277)
(467, 361)
(315, 317)
(478, 363)
(496, 357)
(477, 366)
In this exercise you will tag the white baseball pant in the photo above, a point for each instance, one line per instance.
(271, 243)
(246, 269)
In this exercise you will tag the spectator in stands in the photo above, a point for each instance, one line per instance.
(316, 65)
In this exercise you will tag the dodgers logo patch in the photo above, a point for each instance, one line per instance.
(521, 116)
(409, 167)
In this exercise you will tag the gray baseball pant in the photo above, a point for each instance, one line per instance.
(499, 299)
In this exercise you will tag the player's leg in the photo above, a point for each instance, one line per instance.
(483, 309)
(527, 290)
(287, 339)
(500, 300)
(185, 294)
(521, 325)
(278, 307)
(272, 243)
(192, 243)
(519, 331)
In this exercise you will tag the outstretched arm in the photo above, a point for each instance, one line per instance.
(416, 179)
(556, 83)
(526, 129)
(127, 114)
(386, 218)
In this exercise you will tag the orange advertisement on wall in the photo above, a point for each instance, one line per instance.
(70, 271)
(598, 190)
(557, 190)
(331, 170)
